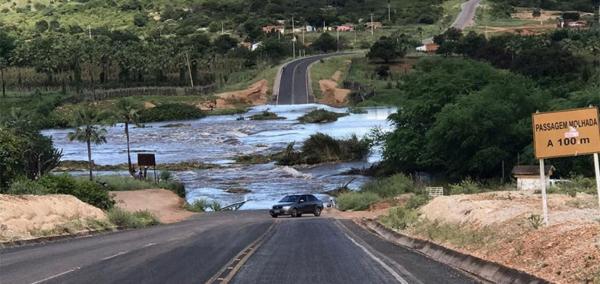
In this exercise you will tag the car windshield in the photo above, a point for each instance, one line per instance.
(290, 198)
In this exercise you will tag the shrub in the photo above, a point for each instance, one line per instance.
(199, 205)
(467, 186)
(459, 235)
(138, 219)
(87, 191)
(26, 186)
(390, 186)
(400, 218)
(356, 200)
(215, 206)
(320, 148)
(171, 111)
(266, 115)
(165, 176)
(417, 201)
(535, 221)
(321, 116)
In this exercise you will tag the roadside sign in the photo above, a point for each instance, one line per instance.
(562, 134)
(146, 160)
(566, 133)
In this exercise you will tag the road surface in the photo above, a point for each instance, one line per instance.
(294, 83)
(240, 247)
(466, 17)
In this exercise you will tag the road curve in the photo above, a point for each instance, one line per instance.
(210, 247)
(294, 84)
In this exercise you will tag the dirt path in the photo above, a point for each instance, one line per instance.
(166, 205)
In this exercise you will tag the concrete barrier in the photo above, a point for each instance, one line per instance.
(486, 270)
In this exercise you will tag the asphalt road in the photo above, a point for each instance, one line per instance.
(466, 16)
(294, 83)
(244, 247)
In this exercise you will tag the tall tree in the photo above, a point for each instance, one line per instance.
(87, 119)
(7, 45)
(128, 113)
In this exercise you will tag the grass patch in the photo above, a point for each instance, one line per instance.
(400, 218)
(253, 159)
(266, 115)
(390, 186)
(124, 183)
(321, 116)
(356, 200)
(326, 68)
(458, 235)
(135, 220)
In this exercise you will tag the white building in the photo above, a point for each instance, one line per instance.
(528, 177)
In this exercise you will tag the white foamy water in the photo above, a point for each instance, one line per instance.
(219, 139)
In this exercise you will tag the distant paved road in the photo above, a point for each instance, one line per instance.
(466, 17)
(285, 250)
(294, 83)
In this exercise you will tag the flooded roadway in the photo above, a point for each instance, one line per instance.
(219, 139)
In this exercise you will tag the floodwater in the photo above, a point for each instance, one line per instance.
(219, 139)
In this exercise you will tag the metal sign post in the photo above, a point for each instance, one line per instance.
(597, 170)
(544, 195)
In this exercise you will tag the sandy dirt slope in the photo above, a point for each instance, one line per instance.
(164, 204)
(255, 94)
(568, 251)
(31, 216)
(331, 94)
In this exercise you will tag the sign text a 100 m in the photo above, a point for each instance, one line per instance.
(566, 133)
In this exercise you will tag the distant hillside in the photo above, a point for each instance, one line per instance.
(560, 5)
(183, 16)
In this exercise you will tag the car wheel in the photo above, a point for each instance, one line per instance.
(317, 212)
(274, 215)
(294, 212)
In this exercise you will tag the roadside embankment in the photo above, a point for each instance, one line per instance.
(507, 228)
(25, 217)
(164, 204)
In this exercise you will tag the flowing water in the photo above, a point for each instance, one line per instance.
(219, 139)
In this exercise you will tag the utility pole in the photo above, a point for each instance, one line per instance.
(293, 38)
(389, 12)
(187, 59)
(222, 28)
(337, 42)
(372, 26)
(90, 31)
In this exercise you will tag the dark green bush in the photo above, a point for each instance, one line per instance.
(321, 148)
(390, 186)
(417, 201)
(266, 115)
(321, 116)
(87, 191)
(167, 112)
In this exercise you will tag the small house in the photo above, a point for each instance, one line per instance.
(374, 25)
(274, 29)
(528, 177)
(428, 48)
(345, 28)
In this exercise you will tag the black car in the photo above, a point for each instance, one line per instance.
(296, 205)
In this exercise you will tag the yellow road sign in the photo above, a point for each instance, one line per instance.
(566, 133)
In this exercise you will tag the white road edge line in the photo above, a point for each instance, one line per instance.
(149, 245)
(114, 255)
(376, 259)
(56, 275)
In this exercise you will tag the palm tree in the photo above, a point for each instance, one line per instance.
(128, 112)
(87, 119)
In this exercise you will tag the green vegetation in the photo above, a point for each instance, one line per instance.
(201, 205)
(321, 116)
(87, 191)
(322, 148)
(123, 183)
(171, 111)
(135, 220)
(400, 218)
(458, 235)
(381, 189)
(326, 68)
(266, 115)
(356, 200)
(88, 119)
